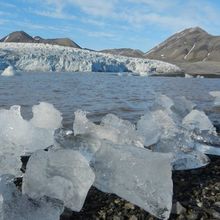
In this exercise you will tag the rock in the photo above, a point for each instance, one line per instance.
(217, 204)
(129, 206)
(192, 216)
(133, 217)
(178, 209)
(116, 218)
(215, 214)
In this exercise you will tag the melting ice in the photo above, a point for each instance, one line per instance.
(116, 156)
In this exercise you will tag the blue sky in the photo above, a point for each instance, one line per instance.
(100, 24)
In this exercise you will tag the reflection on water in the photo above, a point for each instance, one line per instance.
(102, 93)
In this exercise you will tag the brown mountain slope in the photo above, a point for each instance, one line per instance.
(124, 52)
(190, 45)
(18, 36)
(22, 37)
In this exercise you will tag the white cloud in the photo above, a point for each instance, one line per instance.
(54, 14)
(97, 7)
(156, 4)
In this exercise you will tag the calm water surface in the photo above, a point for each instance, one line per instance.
(102, 93)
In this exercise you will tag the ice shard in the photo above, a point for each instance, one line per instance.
(149, 129)
(14, 205)
(61, 174)
(137, 175)
(46, 116)
(198, 120)
(87, 145)
(182, 106)
(184, 151)
(111, 128)
(216, 95)
(19, 136)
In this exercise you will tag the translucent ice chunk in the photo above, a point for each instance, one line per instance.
(137, 175)
(18, 136)
(87, 145)
(182, 106)
(10, 163)
(163, 101)
(189, 160)
(166, 123)
(112, 128)
(14, 205)
(127, 133)
(185, 154)
(208, 149)
(149, 129)
(9, 71)
(61, 174)
(46, 116)
(198, 120)
(216, 95)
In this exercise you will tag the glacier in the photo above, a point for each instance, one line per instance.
(44, 57)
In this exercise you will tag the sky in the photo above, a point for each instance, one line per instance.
(101, 24)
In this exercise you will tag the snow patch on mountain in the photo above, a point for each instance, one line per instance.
(44, 57)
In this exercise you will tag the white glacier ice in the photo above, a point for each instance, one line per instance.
(44, 57)
(14, 205)
(216, 95)
(137, 175)
(61, 174)
(9, 71)
(188, 75)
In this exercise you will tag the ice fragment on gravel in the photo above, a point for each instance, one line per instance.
(137, 175)
(149, 129)
(198, 120)
(14, 205)
(112, 128)
(60, 174)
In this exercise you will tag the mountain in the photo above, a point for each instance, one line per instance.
(18, 37)
(22, 37)
(190, 45)
(124, 52)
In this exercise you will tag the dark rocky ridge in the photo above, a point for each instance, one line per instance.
(22, 37)
(125, 52)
